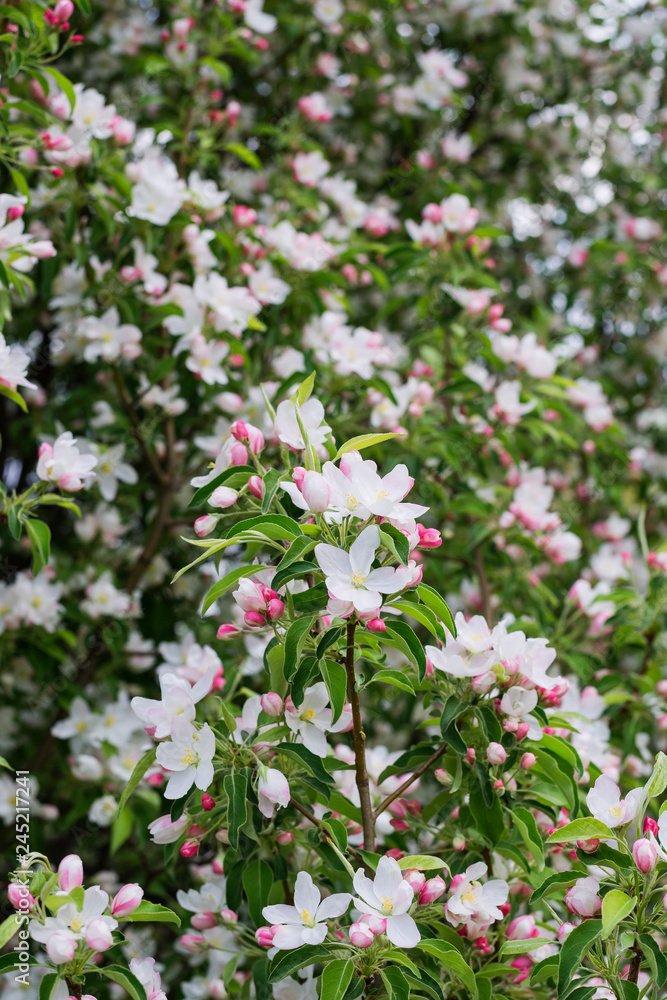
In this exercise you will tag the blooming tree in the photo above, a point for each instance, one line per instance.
(332, 504)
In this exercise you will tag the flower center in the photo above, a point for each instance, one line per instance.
(308, 715)
(306, 917)
(616, 811)
(386, 904)
(189, 758)
(351, 501)
(76, 923)
(359, 579)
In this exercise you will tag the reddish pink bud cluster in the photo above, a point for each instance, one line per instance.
(59, 17)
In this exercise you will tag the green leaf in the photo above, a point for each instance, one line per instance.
(397, 678)
(124, 978)
(616, 906)
(8, 928)
(398, 987)
(271, 483)
(422, 862)
(14, 396)
(452, 960)
(335, 679)
(63, 83)
(336, 978)
(403, 636)
(308, 760)
(140, 769)
(573, 951)
(530, 834)
(422, 614)
(557, 881)
(521, 947)
(327, 640)
(239, 474)
(236, 790)
(298, 548)
(39, 534)
(275, 526)
(304, 392)
(48, 985)
(434, 601)
(363, 441)
(148, 912)
(655, 958)
(244, 154)
(121, 829)
(257, 881)
(285, 963)
(397, 543)
(295, 640)
(227, 582)
(581, 829)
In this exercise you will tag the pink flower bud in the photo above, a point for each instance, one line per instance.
(205, 524)
(298, 475)
(20, 896)
(376, 625)
(589, 846)
(471, 754)
(522, 731)
(223, 497)
(190, 848)
(229, 916)
(582, 898)
(249, 435)
(256, 486)
(361, 936)
(203, 921)
(15, 212)
(316, 491)
(564, 931)
(272, 703)
(528, 760)
(498, 785)
(60, 948)
(414, 878)
(254, 619)
(207, 802)
(459, 843)
(510, 725)
(275, 609)
(645, 853)
(650, 826)
(227, 631)
(238, 454)
(98, 935)
(429, 538)
(521, 928)
(483, 683)
(496, 753)
(264, 937)
(126, 900)
(442, 776)
(70, 872)
(285, 838)
(217, 866)
(400, 825)
(433, 889)
(194, 943)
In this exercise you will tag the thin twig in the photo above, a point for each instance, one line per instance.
(321, 826)
(409, 781)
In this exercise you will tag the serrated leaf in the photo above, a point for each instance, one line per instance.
(452, 960)
(124, 978)
(336, 977)
(236, 790)
(398, 987)
(616, 906)
(432, 599)
(295, 640)
(403, 636)
(148, 912)
(574, 949)
(335, 678)
(581, 829)
(257, 881)
(285, 963)
(363, 441)
(422, 862)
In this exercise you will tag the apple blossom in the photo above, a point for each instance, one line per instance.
(304, 922)
(349, 576)
(389, 896)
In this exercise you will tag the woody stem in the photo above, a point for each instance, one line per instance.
(359, 739)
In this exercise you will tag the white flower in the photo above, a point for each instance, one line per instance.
(303, 923)
(190, 758)
(272, 790)
(63, 464)
(472, 902)
(388, 895)
(268, 289)
(312, 719)
(518, 704)
(257, 19)
(209, 899)
(111, 470)
(349, 576)
(176, 705)
(605, 802)
(109, 339)
(14, 363)
(71, 924)
(103, 811)
(102, 598)
(312, 417)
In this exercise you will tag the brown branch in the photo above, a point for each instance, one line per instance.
(635, 964)
(359, 740)
(321, 826)
(409, 781)
(161, 476)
